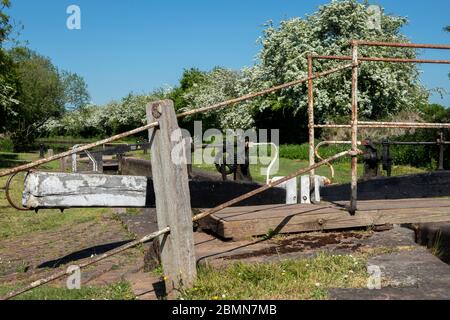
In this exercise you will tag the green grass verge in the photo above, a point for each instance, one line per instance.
(11, 160)
(288, 166)
(292, 280)
(117, 291)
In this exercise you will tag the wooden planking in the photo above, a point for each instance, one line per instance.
(274, 211)
(135, 167)
(271, 211)
(403, 203)
(238, 223)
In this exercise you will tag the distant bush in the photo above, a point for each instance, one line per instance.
(415, 155)
(294, 152)
(6, 145)
(100, 121)
(301, 152)
(423, 156)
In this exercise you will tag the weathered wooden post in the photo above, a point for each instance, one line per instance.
(441, 150)
(41, 151)
(98, 157)
(188, 148)
(144, 147)
(173, 204)
(62, 164)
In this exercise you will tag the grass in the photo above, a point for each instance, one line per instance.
(134, 211)
(117, 291)
(302, 279)
(437, 248)
(14, 223)
(10, 160)
(293, 279)
(288, 166)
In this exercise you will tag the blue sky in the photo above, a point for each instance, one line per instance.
(140, 45)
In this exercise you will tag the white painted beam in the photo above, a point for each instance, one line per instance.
(63, 190)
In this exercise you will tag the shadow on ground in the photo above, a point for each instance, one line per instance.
(83, 254)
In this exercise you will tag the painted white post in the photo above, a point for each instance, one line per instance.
(305, 189)
(291, 189)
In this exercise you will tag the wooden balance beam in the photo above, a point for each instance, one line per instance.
(243, 222)
(50, 190)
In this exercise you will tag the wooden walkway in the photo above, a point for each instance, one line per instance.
(243, 222)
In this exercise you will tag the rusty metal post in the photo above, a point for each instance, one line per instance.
(354, 182)
(401, 45)
(382, 59)
(387, 125)
(312, 159)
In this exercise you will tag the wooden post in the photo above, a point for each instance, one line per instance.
(41, 151)
(441, 150)
(188, 142)
(98, 157)
(62, 164)
(173, 205)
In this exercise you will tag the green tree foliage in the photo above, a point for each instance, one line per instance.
(8, 81)
(435, 113)
(43, 93)
(5, 25)
(423, 156)
(114, 117)
(218, 85)
(8, 90)
(191, 79)
(75, 90)
(384, 88)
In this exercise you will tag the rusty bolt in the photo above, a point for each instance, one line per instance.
(321, 222)
(156, 110)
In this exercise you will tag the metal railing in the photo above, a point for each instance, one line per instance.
(355, 124)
